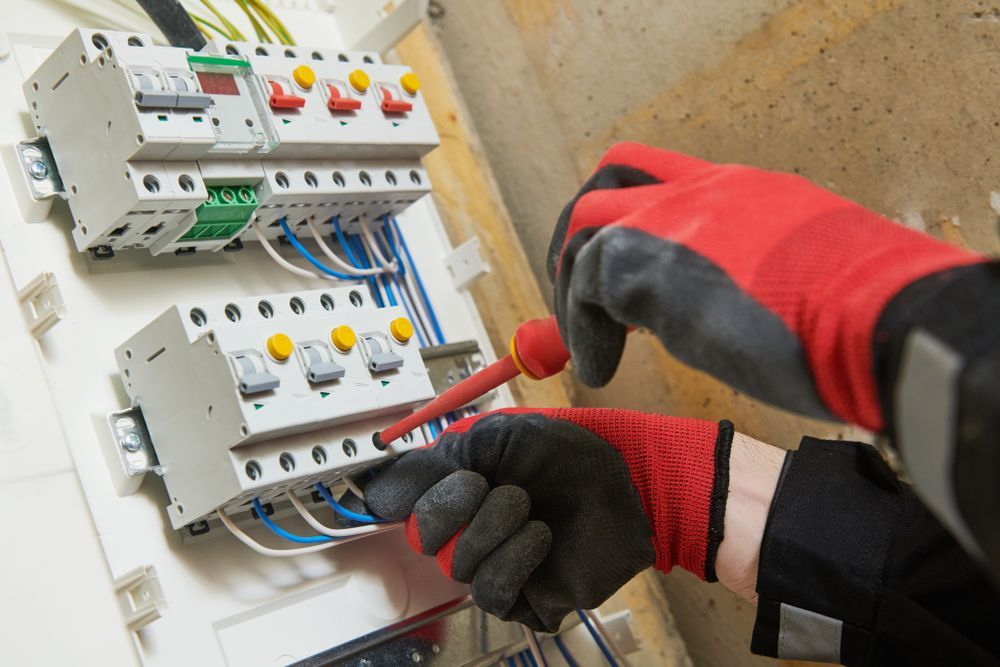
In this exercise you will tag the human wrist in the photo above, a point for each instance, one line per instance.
(754, 468)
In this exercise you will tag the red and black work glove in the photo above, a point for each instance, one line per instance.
(547, 511)
(799, 298)
(762, 279)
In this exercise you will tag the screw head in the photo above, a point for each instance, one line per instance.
(131, 442)
(38, 170)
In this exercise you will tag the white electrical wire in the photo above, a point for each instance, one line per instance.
(322, 528)
(332, 256)
(370, 238)
(281, 261)
(606, 636)
(353, 488)
(268, 551)
(536, 650)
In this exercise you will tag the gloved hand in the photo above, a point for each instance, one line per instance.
(547, 511)
(762, 279)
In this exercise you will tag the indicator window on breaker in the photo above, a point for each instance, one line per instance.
(215, 83)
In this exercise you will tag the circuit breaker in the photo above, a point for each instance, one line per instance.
(173, 150)
(256, 397)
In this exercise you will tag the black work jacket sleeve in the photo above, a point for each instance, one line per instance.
(855, 570)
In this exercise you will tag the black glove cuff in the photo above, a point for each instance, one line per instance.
(720, 492)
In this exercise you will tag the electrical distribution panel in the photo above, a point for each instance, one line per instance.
(225, 387)
(174, 150)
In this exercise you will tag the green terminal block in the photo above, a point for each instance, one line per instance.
(224, 214)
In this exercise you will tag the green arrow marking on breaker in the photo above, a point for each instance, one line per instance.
(324, 394)
(385, 383)
(258, 406)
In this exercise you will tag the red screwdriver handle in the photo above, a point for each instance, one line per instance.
(538, 349)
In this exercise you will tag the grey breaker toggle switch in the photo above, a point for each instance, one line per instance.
(319, 364)
(254, 377)
(380, 354)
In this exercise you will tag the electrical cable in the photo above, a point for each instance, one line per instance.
(567, 656)
(606, 635)
(346, 247)
(174, 22)
(281, 532)
(333, 257)
(537, 656)
(272, 20)
(597, 639)
(205, 23)
(233, 32)
(281, 261)
(368, 259)
(322, 528)
(343, 511)
(526, 659)
(406, 281)
(353, 488)
(391, 280)
(258, 29)
(275, 553)
(420, 283)
(511, 662)
(301, 249)
(366, 232)
(359, 252)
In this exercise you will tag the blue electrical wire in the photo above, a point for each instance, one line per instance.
(308, 257)
(511, 662)
(386, 285)
(434, 431)
(420, 284)
(395, 281)
(401, 280)
(359, 250)
(524, 655)
(567, 656)
(281, 532)
(597, 639)
(343, 511)
(354, 260)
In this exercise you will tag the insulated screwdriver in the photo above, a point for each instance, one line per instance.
(536, 351)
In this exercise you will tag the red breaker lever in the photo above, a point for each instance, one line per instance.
(536, 350)
(281, 100)
(391, 105)
(338, 102)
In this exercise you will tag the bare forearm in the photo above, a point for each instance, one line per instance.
(754, 468)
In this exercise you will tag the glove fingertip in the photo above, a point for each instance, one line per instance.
(596, 345)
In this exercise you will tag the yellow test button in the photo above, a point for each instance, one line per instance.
(304, 76)
(359, 80)
(343, 338)
(410, 83)
(280, 346)
(401, 329)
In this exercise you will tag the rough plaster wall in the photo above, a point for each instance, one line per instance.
(888, 102)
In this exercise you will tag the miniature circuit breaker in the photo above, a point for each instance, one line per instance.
(173, 150)
(261, 396)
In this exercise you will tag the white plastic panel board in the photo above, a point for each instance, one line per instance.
(69, 535)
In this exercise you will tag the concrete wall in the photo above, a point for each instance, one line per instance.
(888, 102)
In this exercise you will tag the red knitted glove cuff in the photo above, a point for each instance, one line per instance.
(680, 468)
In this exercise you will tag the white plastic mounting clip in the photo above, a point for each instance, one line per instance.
(42, 303)
(140, 597)
(466, 264)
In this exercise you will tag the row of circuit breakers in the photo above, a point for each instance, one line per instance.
(175, 150)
